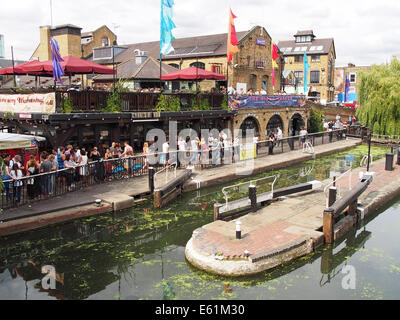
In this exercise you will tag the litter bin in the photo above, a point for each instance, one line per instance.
(389, 161)
(398, 155)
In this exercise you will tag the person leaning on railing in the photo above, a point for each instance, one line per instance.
(16, 175)
(33, 184)
(5, 176)
(69, 164)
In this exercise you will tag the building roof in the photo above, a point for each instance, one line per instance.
(149, 69)
(201, 46)
(317, 46)
(305, 33)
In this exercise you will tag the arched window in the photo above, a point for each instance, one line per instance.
(174, 65)
(250, 123)
(199, 65)
(274, 123)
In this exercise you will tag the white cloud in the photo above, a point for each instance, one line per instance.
(365, 32)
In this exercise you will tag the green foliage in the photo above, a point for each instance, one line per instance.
(316, 118)
(114, 103)
(199, 104)
(67, 105)
(224, 104)
(168, 103)
(379, 96)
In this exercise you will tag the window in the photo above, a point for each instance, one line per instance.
(315, 58)
(174, 65)
(199, 65)
(105, 42)
(314, 77)
(299, 77)
(217, 68)
(353, 77)
(299, 59)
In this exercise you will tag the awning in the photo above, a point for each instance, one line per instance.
(18, 141)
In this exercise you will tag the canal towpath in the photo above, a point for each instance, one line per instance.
(121, 194)
(282, 231)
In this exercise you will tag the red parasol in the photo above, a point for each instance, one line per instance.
(193, 73)
(71, 66)
(20, 69)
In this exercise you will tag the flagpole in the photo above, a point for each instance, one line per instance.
(161, 19)
(12, 56)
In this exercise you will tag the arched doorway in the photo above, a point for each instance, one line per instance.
(296, 123)
(273, 124)
(248, 124)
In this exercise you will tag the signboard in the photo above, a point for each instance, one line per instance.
(350, 158)
(28, 103)
(17, 145)
(266, 101)
(248, 151)
(261, 42)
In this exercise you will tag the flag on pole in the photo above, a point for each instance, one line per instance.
(347, 89)
(232, 37)
(275, 56)
(56, 58)
(275, 50)
(167, 25)
(306, 68)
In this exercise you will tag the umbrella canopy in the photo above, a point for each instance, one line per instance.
(17, 141)
(193, 73)
(19, 70)
(71, 66)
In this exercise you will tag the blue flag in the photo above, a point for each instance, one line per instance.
(306, 68)
(346, 90)
(56, 58)
(167, 25)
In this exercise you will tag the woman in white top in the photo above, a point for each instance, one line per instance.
(16, 175)
(83, 170)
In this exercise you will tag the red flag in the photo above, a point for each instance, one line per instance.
(275, 50)
(232, 37)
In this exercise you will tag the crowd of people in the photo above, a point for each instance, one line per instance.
(70, 165)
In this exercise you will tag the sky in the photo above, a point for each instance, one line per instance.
(365, 32)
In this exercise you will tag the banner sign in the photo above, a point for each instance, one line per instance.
(261, 42)
(18, 144)
(248, 151)
(28, 103)
(265, 101)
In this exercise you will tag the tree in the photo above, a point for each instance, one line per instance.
(379, 96)
(316, 121)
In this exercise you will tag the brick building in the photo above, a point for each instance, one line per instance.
(353, 73)
(72, 41)
(321, 57)
(251, 66)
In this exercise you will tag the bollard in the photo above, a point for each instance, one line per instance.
(238, 230)
(389, 162)
(332, 196)
(253, 197)
(151, 179)
(217, 215)
(328, 225)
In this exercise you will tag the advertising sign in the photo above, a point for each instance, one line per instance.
(28, 103)
(261, 42)
(265, 101)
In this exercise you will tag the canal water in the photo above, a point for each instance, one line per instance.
(140, 253)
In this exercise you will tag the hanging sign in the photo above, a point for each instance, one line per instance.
(28, 103)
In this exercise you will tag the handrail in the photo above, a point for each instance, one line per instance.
(252, 182)
(336, 180)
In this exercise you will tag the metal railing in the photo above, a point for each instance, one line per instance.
(73, 179)
(252, 182)
(335, 180)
